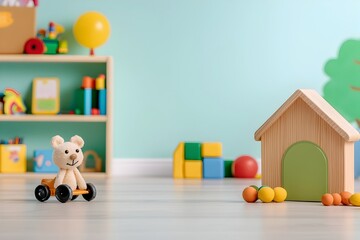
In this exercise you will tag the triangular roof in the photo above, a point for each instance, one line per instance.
(322, 108)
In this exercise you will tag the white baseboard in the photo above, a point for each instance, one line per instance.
(144, 167)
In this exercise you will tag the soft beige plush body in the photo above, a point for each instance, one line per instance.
(68, 156)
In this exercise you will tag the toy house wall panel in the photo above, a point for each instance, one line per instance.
(300, 122)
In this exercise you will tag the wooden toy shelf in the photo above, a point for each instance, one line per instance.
(98, 128)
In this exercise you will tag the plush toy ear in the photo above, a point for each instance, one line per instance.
(56, 141)
(77, 140)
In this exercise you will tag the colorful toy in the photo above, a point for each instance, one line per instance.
(250, 194)
(193, 169)
(12, 158)
(264, 193)
(228, 168)
(91, 97)
(327, 199)
(244, 167)
(213, 167)
(355, 199)
(68, 156)
(190, 161)
(308, 148)
(43, 162)
(63, 192)
(13, 103)
(45, 96)
(345, 196)
(91, 30)
(280, 194)
(49, 42)
(68, 183)
(178, 161)
(337, 199)
(88, 156)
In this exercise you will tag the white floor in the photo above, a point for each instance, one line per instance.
(161, 208)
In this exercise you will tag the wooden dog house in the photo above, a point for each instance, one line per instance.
(308, 148)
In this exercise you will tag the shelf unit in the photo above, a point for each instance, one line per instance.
(107, 119)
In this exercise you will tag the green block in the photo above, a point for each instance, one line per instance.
(192, 151)
(228, 168)
(52, 45)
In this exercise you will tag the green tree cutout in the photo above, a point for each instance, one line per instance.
(342, 91)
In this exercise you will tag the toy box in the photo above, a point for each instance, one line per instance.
(12, 158)
(17, 25)
(43, 162)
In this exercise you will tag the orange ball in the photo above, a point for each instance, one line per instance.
(327, 199)
(250, 195)
(337, 199)
(345, 196)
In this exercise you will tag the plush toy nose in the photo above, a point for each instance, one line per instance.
(73, 156)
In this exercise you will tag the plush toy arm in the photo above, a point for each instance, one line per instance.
(79, 179)
(59, 178)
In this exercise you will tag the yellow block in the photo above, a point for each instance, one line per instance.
(211, 149)
(178, 161)
(13, 158)
(193, 169)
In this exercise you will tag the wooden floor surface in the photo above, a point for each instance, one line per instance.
(161, 208)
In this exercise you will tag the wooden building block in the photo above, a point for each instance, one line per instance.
(13, 158)
(178, 161)
(193, 169)
(193, 151)
(211, 149)
(213, 167)
(228, 168)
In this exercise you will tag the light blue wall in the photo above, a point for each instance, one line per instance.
(208, 70)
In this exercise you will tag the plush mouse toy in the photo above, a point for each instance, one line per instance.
(68, 156)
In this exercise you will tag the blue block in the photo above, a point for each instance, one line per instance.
(357, 159)
(213, 168)
(102, 101)
(87, 101)
(43, 162)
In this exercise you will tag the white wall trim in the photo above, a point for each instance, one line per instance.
(144, 167)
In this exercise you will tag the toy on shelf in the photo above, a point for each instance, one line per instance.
(91, 97)
(47, 42)
(45, 96)
(245, 167)
(308, 148)
(12, 156)
(198, 160)
(13, 103)
(43, 162)
(91, 155)
(69, 183)
(91, 30)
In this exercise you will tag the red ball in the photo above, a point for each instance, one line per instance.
(244, 167)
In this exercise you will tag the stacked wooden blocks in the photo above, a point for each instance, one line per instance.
(198, 160)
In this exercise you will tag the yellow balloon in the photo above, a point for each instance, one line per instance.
(91, 29)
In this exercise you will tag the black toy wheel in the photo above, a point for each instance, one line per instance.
(74, 197)
(42, 193)
(92, 192)
(63, 193)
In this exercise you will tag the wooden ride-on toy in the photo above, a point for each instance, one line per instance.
(63, 192)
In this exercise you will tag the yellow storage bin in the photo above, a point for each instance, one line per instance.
(13, 158)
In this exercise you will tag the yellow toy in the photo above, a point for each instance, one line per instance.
(266, 194)
(91, 30)
(193, 169)
(12, 158)
(211, 149)
(13, 103)
(178, 161)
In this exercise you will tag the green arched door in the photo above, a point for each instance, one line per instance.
(305, 172)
